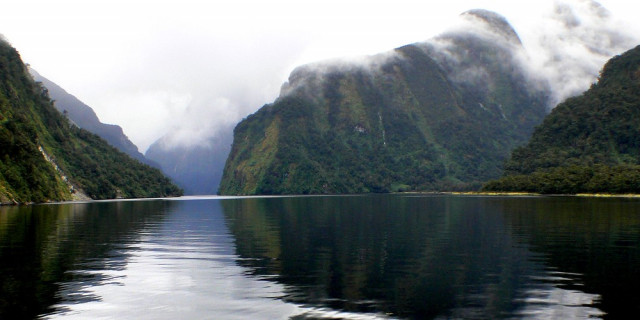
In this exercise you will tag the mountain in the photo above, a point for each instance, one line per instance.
(566, 50)
(84, 117)
(588, 143)
(438, 115)
(44, 157)
(195, 168)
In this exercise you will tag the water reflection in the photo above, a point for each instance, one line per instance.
(594, 243)
(417, 257)
(358, 257)
(183, 266)
(40, 244)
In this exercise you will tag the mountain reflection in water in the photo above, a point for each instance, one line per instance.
(339, 257)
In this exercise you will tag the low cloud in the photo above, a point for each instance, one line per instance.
(204, 97)
(564, 50)
(562, 54)
(572, 44)
(310, 77)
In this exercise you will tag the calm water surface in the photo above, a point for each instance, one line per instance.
(346, 257)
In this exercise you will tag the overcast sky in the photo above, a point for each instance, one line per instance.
(192, 66)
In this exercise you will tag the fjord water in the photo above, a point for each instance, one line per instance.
(340, 257)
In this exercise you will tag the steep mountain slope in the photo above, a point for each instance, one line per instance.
(430, 116)
(84, 117)
(589, 143)
(196, 169)
(43, 157)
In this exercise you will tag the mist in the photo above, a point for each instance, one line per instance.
(564, 53)
(572, 44)
(188, 70)
(203, 96)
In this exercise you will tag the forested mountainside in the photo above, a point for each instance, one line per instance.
(43, 157)
(589, 143)
(439, 115)
(84, 117)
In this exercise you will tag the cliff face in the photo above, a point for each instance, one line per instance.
(43, 157)
(438, 115)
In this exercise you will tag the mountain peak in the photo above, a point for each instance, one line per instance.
(495, 22)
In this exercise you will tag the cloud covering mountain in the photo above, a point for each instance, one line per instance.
(437, 115)
(166, 67)
(565, 49)
(573, 42)
(561, 56)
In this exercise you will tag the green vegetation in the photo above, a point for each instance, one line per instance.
(588, 143)
(43, 157)
(572, 180)
(408, 121)
(84, 117)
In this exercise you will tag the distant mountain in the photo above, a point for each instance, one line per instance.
(84, 117)
(44, 157)
(589, 143)
(195, 168)
(439, 115)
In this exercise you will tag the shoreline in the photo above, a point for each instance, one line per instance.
(455, 193)
(533, 194)
(80, 200)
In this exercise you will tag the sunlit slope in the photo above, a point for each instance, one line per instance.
(439, 115)
(43, 157)
(589, 143)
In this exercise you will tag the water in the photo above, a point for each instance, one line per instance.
(342, 257)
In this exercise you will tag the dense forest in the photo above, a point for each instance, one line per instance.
(589, 143)
(43, 157)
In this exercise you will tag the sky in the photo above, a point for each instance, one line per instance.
(192, 67)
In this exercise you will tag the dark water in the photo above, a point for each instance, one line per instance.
(356, 257)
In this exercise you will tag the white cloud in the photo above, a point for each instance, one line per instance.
(140, 63)
(572, 43)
